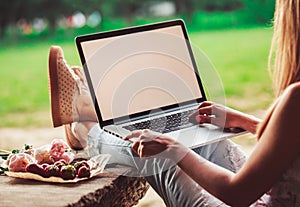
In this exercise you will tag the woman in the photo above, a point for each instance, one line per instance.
(269, 177)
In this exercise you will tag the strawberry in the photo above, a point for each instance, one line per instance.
(52, 170)
(67, 172)
(83, 172)
(45, 165)
(35, 168)
(60, 164)
(80, 164)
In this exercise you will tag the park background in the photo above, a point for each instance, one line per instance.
(234, 34)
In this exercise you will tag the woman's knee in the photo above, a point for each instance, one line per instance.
(224, 153)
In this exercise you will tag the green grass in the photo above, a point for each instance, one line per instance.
(24, 82)
(240, 58)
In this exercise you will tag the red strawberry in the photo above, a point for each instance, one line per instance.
(59, 164)
(52, 170)
(83, 172)
(68, 172)
(80, 164)
(35, 168)
(45, 165)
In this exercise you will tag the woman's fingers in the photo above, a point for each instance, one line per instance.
(148, 143)
(201, 119)
(140, 150)
(146, 148)
(133, 134)
(135, 147)
(142, 134)
(206, 110)
(205, 103)
(218, 121)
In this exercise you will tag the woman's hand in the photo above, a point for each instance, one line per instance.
(209, 112)
(149, 144)
(219, 115)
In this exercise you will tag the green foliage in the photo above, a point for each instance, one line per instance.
(260, 11)
(216, 20)
(221, 5)
(238, 11)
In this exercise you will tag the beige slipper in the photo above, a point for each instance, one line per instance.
(63, 86)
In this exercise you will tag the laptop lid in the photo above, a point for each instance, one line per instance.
(137, 71)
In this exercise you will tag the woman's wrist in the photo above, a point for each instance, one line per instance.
(177, 152)
(250, 123)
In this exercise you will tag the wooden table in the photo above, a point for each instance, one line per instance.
(108, 189)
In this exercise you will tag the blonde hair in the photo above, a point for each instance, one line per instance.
(285, 45)
(284, 54)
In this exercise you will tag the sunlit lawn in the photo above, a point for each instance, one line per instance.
(240, 57)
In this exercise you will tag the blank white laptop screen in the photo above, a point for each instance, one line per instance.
(141, 71)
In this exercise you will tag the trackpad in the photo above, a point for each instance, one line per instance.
(197, 136)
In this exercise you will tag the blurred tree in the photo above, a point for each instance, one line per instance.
(221, 5)
(10, 12)
(13, 10)
(126, 8)
(87, 6)
(5, 17)
(261, 10)
(53, 10)
(186, 8)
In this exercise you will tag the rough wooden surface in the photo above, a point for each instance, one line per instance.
(109, 189)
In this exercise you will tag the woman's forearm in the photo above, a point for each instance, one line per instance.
(215, 179)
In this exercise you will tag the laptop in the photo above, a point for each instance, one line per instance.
(146, 77)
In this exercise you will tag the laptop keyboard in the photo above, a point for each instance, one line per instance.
(164, 124)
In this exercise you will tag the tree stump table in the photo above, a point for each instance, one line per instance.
(106, 190)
